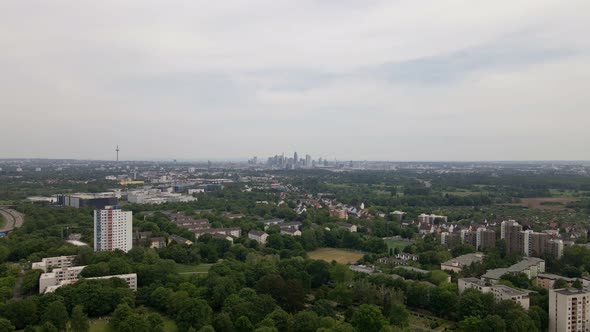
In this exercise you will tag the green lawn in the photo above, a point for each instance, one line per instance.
(187, 269)
(102, 325)
(400, 245)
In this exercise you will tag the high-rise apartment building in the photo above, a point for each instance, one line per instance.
(569, 310)
(112, 229)
(486, 238)
(534, 244)
(510, 232)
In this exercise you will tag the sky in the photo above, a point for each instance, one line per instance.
(339, 79)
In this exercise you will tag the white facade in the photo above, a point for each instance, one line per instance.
(569, 310)
(500, 292)
(113, 230)
(58, 276)
(49, 263)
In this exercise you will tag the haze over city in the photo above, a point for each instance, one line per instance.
(375, 80)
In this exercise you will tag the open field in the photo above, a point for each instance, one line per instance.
(102, 325)
(465, 193)
(332, 254)
(544, 203)
(399, 244)
(188, 269)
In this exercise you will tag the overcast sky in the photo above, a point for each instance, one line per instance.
(376, 80)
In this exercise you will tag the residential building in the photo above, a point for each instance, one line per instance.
(547, 280)
(58, 275)
(534, 244)
(258, 236)
(231, 231)
(339, 213)
(157, 242)
(510, 232)
(530, 266)
(113, 229)
(450, 239)
(272, 222)
(500, 292)
(569, 310)
(431, 218)
(49, 263)
(350, 227)
(290, 232)
(457, 264)
(179, 240)
(130, 279)
(485, 239)
(555, 247)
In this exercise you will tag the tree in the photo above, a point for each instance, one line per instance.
(6, 325)
(539, 317)
(57, 314)
(493, 323)
(368, 318)
(196, 313)
(243, 324)
(306, 321)
(560, 283)
(470, 324)
(155, 322)
(79, 320)
(21, 312)
(398, 315)
(48, 327)
(223, 323)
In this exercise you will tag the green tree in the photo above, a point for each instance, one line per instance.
(79, 320)
(368, 318)
(539, 317)
(223, 323)
(243, 324)
(57, 314)
(21, 312)
(398, 315)
(48, 327)
(560, 283)
(306, 321)
(6, 325)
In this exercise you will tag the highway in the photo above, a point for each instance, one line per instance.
(13, 220)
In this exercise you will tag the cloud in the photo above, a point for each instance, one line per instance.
(348, 79)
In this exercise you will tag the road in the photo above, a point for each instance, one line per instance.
(13, 220)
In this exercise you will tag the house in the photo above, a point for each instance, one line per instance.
(351, 228)
(399, 259)
(257, 236)
(231, 231)
(157, 242)
(272, 222)
(339, 213)
(296, 225)
(290, 232)
(179, 240)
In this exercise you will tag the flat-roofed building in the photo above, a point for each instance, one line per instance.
(48, 263)
(547, 280)
(56, 276)
(457, 264)
(500, 292)
(530, 266)
(569, 310)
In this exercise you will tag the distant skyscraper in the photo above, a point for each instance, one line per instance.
(112, 229)
(307, 160)
(117, 152)
(295, 158)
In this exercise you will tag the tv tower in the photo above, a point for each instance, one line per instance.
(117, 149)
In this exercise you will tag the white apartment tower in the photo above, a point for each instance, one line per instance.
(112, 229)
(569, 310)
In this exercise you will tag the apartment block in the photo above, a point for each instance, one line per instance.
(113, 229)
(49, 263)
(569, 310)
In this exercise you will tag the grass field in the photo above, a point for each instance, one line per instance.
(332, 254)
(544, 203)
(102, 325)
(400, 245)
(188, 269)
